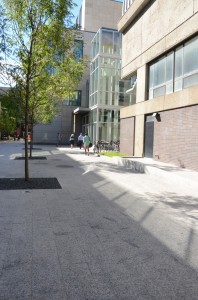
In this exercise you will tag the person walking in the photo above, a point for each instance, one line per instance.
(80, 140)
(58, 139)
(86, 142)
(71, 139)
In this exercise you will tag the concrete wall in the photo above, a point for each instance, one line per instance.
(102, 13)
(63, 123)
(160, 26)
(127, 135)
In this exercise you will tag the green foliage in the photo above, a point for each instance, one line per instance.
(7, 123)
(45, 69)
(11, 101)
(42, 40)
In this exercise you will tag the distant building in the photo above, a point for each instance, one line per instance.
(93, 15)
(160, 48)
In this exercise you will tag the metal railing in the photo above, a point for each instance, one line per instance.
(101, 146)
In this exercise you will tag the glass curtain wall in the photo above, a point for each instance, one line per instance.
(107, 90)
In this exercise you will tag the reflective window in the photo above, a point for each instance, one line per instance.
(74, 99)
(169, 66)
(177, 70)
(178, 62)
(78, 49)
(159, 72)
(191, 56)
(106, 86)
(107, 42)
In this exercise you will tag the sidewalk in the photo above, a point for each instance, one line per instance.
(168, 172)
(110, 232)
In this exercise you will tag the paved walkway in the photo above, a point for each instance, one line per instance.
(111, 232)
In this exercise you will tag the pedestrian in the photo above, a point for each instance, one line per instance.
(58, 139)
(71, 139)
(80, 140)
(86, 143)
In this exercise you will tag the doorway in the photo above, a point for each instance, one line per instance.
(149, 136)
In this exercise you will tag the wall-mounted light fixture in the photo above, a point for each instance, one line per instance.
(157, 116)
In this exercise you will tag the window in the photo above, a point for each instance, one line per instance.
(107, 41)
(175, 71)
(78, 49)
(74, 99)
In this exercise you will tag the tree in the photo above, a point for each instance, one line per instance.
(7, 123)
(11, 101)
(42, 39)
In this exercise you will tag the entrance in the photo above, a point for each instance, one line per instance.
(149, 134)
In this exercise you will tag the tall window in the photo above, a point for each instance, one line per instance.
(78, 49)
(110, 42)
(175, 71)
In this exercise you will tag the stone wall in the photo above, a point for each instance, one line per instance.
(127, 130)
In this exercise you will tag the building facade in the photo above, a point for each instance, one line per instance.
(160, 48)
(73, 114)
(107, 90)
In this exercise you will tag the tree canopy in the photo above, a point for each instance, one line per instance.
(39, 40)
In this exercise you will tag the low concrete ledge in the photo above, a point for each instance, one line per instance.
(134, 166)
(168, 172)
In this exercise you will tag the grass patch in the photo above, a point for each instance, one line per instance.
(112, 153)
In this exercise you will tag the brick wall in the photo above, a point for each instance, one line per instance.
(176, 137)
(127, 136)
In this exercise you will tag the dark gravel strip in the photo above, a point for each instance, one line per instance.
(33, 183)
(33, 157)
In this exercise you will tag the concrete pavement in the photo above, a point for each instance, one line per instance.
(111, 232)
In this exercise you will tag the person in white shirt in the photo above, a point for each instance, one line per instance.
(80, 140)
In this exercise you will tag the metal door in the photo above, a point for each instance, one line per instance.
(149, 134)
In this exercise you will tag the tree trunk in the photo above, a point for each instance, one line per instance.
(26, 143)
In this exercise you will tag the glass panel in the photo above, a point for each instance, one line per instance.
(178, 85)
(169, 88)
(191, 56)
(169, 67)
(78, 49)
(150, 93)
(159, 72)
(95, 46)
(107, 41)
(117, 43)
(159, 91)
(151, 76)
(178, 62)
(191, 80)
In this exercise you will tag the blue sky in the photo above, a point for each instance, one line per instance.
(75, 11)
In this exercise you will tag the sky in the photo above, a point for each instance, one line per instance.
(75, 11)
